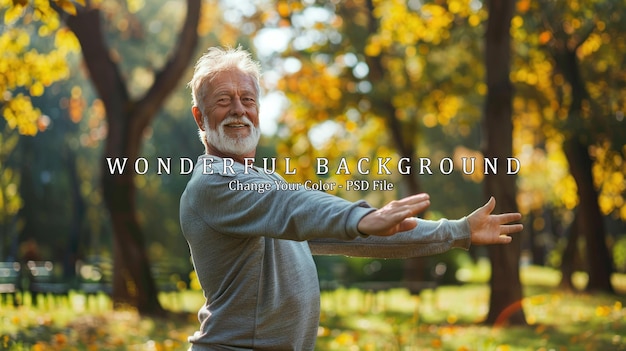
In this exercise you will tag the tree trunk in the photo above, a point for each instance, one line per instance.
(415, 267)
(132, 281)
(589, 220)
(404, 147)
(569, 257)
(535, 248)
(506, 289)
(78, 216)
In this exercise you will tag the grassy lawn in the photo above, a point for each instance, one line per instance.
(446, 318)
(78, 323)
(449, 318)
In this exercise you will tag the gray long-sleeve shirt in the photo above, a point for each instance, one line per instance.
(251, 245)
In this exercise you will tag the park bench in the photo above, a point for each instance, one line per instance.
(169, 282)
(10, 281)
(94, 275)
(414, 287)
(45, 280)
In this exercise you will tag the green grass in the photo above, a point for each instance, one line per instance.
(78, 323)
(446, 318)
(450, 317)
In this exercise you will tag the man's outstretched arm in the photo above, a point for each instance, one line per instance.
(398, 216)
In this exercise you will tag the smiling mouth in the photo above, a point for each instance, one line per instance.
(236, 125)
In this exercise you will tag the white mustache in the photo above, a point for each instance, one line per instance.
(237, 120)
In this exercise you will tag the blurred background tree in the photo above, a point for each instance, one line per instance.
(569, 59)
(26, 73)
(346, 80)
(127, 119)
(128, 116)
(506, 289)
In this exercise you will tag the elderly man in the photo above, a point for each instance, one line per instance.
(252, 250)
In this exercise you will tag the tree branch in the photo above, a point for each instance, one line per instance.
(167, 78)
(104, 73)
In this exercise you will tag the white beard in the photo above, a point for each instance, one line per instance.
(235, 146)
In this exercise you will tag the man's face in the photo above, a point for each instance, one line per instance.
(231, 116)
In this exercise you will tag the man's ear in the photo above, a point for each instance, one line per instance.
(197, 116)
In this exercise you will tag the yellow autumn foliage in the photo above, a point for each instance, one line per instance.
(608, 173)
(409, 52)
(22, 67)
(21, 115)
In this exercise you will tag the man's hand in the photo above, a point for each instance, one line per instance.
(397, 216)
(492, 229)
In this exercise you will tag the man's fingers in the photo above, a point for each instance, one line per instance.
(412, 200)
(508, 217)
(417, 203)
(418, 197)
(490, 205)
(505, 218)
(412, 205)
(396, 216)
(488, 228)
(420, 207)
(407, 224)
(504, 239)
(511, 228)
